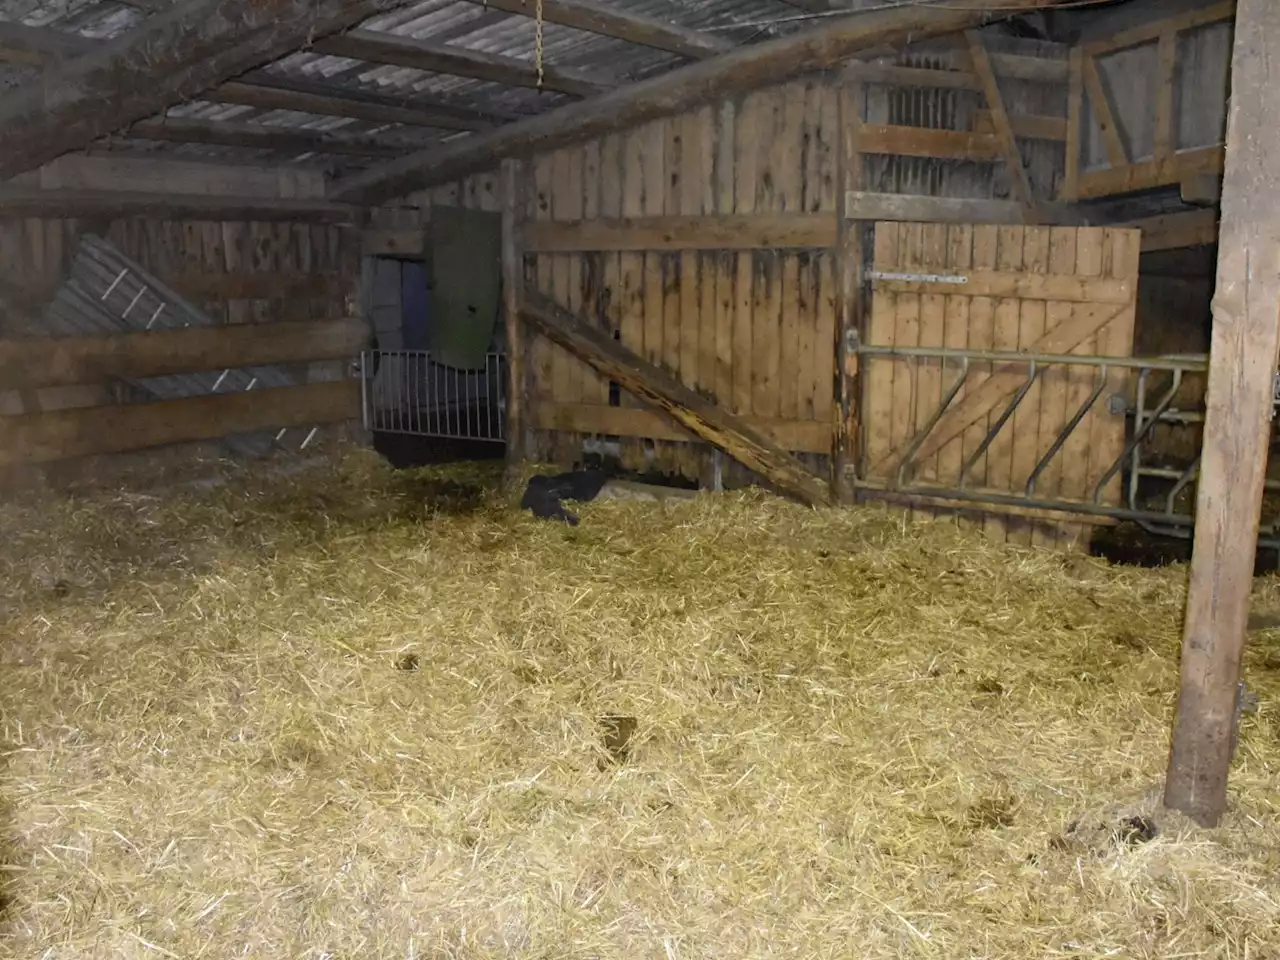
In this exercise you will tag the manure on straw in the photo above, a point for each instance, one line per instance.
(359, 713)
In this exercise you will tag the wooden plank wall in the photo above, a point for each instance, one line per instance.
(753, 328)
(240, 272)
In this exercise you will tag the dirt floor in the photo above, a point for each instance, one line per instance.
(347, 712)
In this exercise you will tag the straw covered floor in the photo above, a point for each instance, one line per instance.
(353, 713)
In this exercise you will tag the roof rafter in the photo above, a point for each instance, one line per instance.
(374, 47)
(169, 58)
(635, 28)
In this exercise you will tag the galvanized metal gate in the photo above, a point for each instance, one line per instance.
(407, 392)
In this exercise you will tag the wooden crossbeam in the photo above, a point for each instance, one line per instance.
(745, 68)
(374, 47)
(172, 57)
(660, 389)
(257, 136)
(40, 362)
(1152, 30)
(326, 101)
(608, 21)
(112, 204)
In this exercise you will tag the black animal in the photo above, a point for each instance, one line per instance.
(544, 494)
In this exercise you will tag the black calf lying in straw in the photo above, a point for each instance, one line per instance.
(543, 494)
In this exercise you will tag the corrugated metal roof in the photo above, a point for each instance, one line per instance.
(462, 23)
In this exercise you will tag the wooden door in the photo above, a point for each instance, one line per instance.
(1044, 290)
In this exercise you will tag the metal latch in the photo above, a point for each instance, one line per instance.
(918, 277)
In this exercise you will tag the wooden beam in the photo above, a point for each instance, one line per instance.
(66, 434)
(373, 47)
(329, 102)
(112, 204)
(929, 142)
(258, 136)
(1008, 143)
(1166, 64)
(40, 362)
(863, 205)
(746, 68)
(1029, 126)
(1145, 33)
(1242, 363)
(512, 285)
(711, 232)
(1175, 230)
(1117, 155)
(1202, 189)
(404, 242)
(171, 57)
(607, 21)
(37, 46)
(1032, 69)
(1150, 174)
(662, 390)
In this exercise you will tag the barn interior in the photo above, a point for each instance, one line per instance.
(903, 313)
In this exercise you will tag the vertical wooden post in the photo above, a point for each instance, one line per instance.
(512, 286)
(851, 98)
(1242, 363)
(1166, 76)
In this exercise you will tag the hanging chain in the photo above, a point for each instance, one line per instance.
(537, 27)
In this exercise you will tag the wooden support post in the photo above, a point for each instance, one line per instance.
(1242, 363)
(849, 306)
(1018, 181)
(512, 286)
(650, 383)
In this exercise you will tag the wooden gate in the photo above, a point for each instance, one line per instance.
(959, 421)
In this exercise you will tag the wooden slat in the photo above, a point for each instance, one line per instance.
(631, 265)
(1152, 30)
(1004, 134)
(707, 420)
(932, 333)
(258, 136)
(746, 175)
(1070, 190)
(1021, 285)
(255, 286)
(40, 362)
(762, 231)
(929, 142)
(955, 335)
(1063, 390)
(1103, 115)
(981, 334)
(66, 434)
(1166, 62)
(906, 333)
(1007, 319)
(1150, 174)
(799, 436)
(1028, 440)
(877, 379)
(1237, 429)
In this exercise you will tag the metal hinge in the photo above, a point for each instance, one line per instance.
(918, 277)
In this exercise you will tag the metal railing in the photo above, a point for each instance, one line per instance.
(406, 392)
(1154, 382)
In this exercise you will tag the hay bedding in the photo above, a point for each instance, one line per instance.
(357, 714)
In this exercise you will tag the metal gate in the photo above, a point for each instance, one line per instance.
(407, 392)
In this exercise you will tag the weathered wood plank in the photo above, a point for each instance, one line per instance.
(41, 362)
(1100, 102)
(864, 205)
(763, 231)
(929, 142)
(513, 206)
(1004, 135)
(1243, 349)
(66, 434)
(705, 419)
(115, 204)
(1149, 174)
